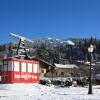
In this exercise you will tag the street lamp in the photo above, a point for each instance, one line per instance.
(90, 50)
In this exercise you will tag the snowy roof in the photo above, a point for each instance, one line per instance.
(65, 66)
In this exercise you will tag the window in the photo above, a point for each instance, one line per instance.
(5, 64)
(23, 67)
(36, 68)
(16, 66)
(10, 66)
(30, 67)
(42, 70)
(62, 73)
(1, 68)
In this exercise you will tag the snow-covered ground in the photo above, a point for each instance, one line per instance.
(41, 92)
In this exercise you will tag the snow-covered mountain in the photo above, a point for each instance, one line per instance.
(52, 41)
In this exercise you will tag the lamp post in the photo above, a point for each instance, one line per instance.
(90, 50)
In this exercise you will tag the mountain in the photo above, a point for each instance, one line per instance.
(56, 50)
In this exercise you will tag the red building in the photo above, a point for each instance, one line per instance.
(16, 70)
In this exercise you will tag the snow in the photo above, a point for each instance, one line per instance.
(42, 92)
(69, 42)
(65, 66)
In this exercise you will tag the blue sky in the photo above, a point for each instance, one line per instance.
(49, 18)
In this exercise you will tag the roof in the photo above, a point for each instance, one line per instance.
(43, 61)
(65, 66)
(30, 59)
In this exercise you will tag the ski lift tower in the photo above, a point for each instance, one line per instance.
(21, 49)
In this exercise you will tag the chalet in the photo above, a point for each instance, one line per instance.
(65, 70)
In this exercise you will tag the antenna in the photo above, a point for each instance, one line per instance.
(21, 49)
